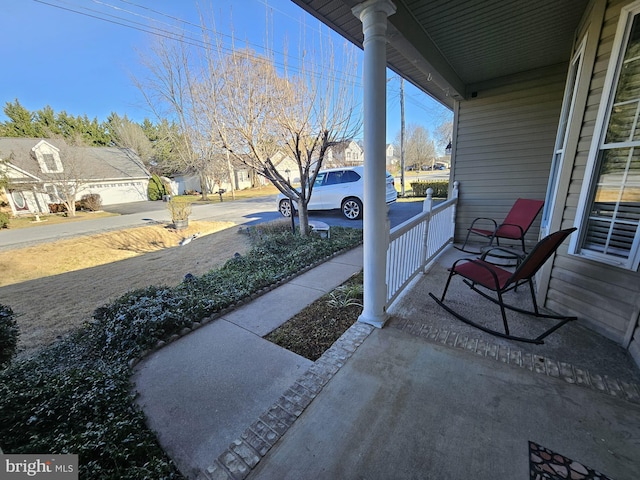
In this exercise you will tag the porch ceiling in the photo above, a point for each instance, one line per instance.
(446, 47)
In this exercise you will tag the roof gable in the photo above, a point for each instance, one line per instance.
(92, 163)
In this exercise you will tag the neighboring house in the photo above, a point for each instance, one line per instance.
(390, 155)
(286, 166)
(243, 175)
(36, 169)
(190, 182)
(546, 105)
(345, 154)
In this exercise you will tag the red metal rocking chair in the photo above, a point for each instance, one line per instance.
(515, 226)
(478, 272)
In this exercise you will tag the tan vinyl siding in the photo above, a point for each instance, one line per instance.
(604, 297)
(505, 141)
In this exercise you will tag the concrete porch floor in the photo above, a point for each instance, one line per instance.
(429, 397)
(425, 397)
(574, 348)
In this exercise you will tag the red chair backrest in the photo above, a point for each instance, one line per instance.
(539, 255)
(523, 213)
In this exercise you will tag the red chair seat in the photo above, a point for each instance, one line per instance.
(479, 271)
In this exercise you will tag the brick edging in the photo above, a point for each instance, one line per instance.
(535, 363)
(244, 453)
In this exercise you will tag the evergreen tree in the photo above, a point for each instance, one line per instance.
(46, 123)
(156, 188)
(20, 123)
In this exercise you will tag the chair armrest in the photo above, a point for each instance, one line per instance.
(487, 219)
(511, 225)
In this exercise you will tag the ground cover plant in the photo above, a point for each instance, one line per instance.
(75, 396)
(8, 335)
(314, 329)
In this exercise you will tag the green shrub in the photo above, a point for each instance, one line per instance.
(8, 335)
(440, 188)
(4, 220)
(157, 189)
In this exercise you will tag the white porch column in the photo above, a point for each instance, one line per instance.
(373, 14)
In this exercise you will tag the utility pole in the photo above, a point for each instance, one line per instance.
(402, 136)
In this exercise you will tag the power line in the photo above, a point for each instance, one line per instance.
(183, 36)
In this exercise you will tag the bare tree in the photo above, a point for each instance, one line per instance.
(237, 101)
(444, 133)
(258, 111)
(128, 134)
(420, 149)
(171, 91)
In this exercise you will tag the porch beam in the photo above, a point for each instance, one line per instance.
(373, 14)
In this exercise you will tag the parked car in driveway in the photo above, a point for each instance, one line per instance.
(341, 188)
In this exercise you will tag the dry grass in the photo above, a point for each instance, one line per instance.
(75, 254)
(52, 219)
(55, 287)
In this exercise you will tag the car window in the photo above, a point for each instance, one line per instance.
(319, 179)
(350, 176)
(333, 178)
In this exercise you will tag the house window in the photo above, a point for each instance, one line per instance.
(50, 162)
(566, 116)
(19, 201)
(610, 228)
(52, 193)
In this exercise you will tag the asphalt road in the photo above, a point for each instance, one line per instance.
(245, 212)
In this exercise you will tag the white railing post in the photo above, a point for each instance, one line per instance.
(414, 244)
(454, 210)
(427, 207)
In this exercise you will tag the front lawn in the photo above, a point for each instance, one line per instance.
(75, 395)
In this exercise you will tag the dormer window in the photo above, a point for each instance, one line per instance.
(49, 161)
(48, 157)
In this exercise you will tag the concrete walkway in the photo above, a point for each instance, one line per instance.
(406, 401)
(200, 391)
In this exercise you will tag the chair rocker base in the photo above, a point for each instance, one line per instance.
(539, 340)
(464, 319)
(465, 249)
(480, 272)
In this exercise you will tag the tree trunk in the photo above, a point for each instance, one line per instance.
(204, 187)
(71, 208)
(232, 179)
(303, 218)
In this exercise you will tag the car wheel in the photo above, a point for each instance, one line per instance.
(285, 208)
(352, 208)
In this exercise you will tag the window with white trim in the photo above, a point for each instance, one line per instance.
(610, 230)
(566, 118)
(52, 192)
(48, 158)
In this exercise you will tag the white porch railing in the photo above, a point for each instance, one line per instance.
(416, 242)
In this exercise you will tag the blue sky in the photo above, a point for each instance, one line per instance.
(55, 52)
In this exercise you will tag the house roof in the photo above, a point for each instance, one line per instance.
(448, 48)
(95, 163)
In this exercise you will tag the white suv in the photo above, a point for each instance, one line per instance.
(341, 188)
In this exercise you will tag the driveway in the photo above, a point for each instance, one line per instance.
(243, 212)
(262, 209)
